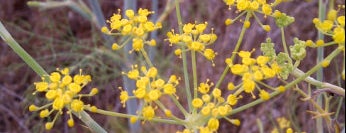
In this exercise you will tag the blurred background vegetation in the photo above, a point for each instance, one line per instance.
(60, 37)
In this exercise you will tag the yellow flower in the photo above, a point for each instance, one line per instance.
(124, 96)
(230, 86)
(130, 13)
(262, 60)
(213, 124)
(33, 108)
(154, 95)
(243, 4)
(216, 93)
(325, 63)
(51, 94)
(266, 9)
(229, 2)
(74, 87)
(228, 22)
(169, 89)
(152, 72)
(197, 102)
(264, 95)
(70, 122)
(137, 44)
(247, 24)
(204, 87)
(41, 86)
(258, 75)
(44, 113)
(281, 88)
(249, 86)
(115, 46)
(332, 14)
(232, 99)
(55, 77)
(187, 28)
(140, 93)
(339, 35)
(49, 125)
(61, 92)
(133, 74)
(341, 21)
(77, 105)
(148, 112)
(58, 104)
(319, 42)
(266, 28)
(223, 110)
(239, 69)
(244, 54)
(205, 110)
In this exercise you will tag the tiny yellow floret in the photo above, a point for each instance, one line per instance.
(197, 102)
(325, 63)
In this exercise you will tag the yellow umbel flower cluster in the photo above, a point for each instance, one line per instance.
(254, 70)
(250, 7)
(135, 25)
(62, 91)
(149, 88)
(194, 39)
(210, 107)
(333, 26)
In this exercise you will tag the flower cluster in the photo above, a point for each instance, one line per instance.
(149, 88)
(254, 70)
(210, 106)
(333, 26)
(135, 25)
(250, 7)
(62, 91)
(194, 39)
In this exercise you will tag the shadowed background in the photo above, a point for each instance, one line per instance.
(60, 37)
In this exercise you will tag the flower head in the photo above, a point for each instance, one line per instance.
(62, 91)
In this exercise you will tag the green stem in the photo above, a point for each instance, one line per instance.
(283, 38)
(240, 39)
(320, 54)
(146, 57)
(291, 84)
(181, 108)
(194, 73)
(183, 54)
(163, 108)
(6, 36)
(333, 88)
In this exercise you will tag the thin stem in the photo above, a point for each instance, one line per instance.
(194, 73)
(321, 15)
(240, 39)
(333, 88)
(283, 38)
(183, 54)
(181, 108)
(146, 57)
(163, 108)
(6, 36)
